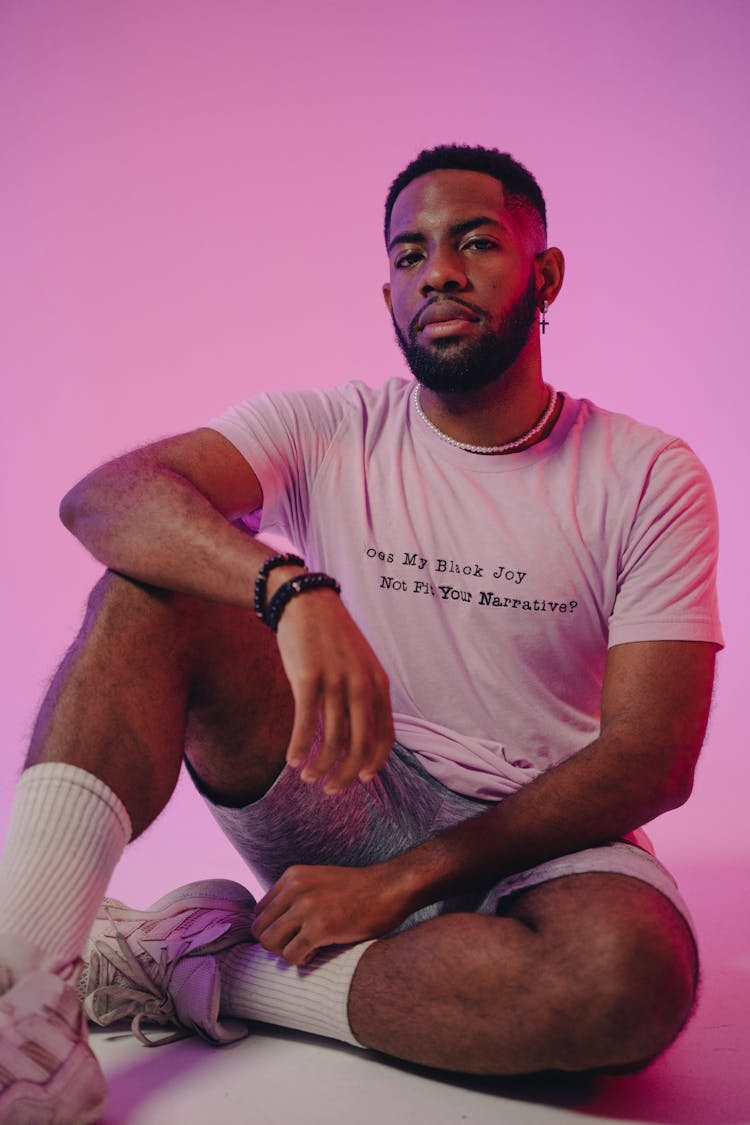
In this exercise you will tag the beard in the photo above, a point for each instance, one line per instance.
(449, 367)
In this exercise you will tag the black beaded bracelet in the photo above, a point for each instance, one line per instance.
(259, 604)
(299, 585)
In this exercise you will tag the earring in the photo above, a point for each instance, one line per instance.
(543, 322)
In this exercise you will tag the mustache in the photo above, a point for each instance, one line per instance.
(479, 312)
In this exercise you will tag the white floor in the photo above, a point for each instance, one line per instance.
(275, 1078)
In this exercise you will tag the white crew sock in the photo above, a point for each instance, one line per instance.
(258, 985)
(66, 834)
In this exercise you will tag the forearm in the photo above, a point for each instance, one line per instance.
(151, 523)
(605, 791)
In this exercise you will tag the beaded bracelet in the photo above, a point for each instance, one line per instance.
(261, 581)
(299, 585)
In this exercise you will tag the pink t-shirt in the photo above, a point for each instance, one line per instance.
(489, 586)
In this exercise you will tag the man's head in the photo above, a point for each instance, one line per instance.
(469, 265)
(521, 189)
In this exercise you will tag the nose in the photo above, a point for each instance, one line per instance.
(444, 272)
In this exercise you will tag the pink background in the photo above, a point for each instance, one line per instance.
(190, 212)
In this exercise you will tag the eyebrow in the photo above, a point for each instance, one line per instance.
(455, 231)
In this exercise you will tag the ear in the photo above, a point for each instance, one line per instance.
(387, 297)
(549, 267)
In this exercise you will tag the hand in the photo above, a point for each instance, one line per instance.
(335, 676)
(312, 907)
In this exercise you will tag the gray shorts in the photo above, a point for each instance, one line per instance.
(404, 805)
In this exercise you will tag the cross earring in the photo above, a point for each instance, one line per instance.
(543, 320)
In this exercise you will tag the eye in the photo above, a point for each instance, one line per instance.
(408, 258)
(480, 244)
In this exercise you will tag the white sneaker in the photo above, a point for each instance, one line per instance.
(157, 965)
(48, 1073)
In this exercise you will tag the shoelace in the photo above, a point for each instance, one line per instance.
(148, 992)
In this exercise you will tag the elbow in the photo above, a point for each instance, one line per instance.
(677, 796)
(677, 786)
(76, 508)
(68, 510)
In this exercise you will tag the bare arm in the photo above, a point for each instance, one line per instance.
(655, 707)
(162, 515)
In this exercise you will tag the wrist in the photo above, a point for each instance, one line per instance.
(288, 591)
(408, 881)
(459, 859)
(279, 576)
(265, 576)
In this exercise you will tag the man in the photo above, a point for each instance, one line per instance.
(527, 604)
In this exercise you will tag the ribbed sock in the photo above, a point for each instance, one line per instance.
(258, 985)
(67, 831)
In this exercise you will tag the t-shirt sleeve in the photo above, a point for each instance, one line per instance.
(284, 438)
(667, 567)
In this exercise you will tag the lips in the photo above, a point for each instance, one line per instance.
(442, 312)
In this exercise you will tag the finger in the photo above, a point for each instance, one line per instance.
(271, 907)
(300, 950)
(278, 923)
(304, 730)
(264, 919)
(263, 903)
(348, 766)
(335, 731)
(382, 733)
(277, 937)
(342, 775)
(285, 894)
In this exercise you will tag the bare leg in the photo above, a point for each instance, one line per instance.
(589, 971)
(144, 658)
(586, 972)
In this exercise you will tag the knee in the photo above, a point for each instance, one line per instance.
(117, 595)
(634, 996)
(121, 606)
(130, 625)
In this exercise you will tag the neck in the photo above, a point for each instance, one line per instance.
(491, 416)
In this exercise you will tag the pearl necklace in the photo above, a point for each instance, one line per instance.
(535, 429)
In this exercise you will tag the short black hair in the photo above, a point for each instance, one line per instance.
(518, 182)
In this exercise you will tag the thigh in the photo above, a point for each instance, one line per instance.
(618, 857)
(240, 704)
(299, 823)
(153, 674)
(209, 674)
